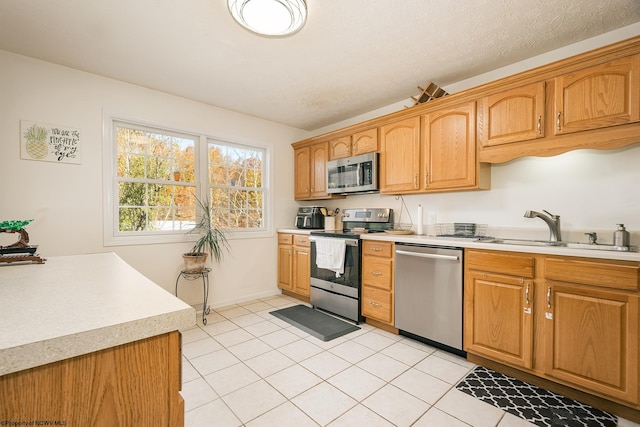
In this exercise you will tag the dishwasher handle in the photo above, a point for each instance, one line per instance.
(425, 255)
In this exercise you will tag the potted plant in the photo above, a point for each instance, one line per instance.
(212, 241)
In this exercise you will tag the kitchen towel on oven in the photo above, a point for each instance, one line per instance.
(330, 254)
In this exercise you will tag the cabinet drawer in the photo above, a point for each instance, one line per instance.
(301, 240)
(606, 273)
(285, 238)
(375, 248)
(377, 272)
(377, 304)
(501, 262)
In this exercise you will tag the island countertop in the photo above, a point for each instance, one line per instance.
(74, 305)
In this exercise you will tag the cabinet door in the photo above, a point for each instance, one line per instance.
(513, 116)
(319, 157)
(597, 97)
(340, 148)
(365, 142)
(449, 148)
(400, 156)
(498, 318)
(302, 270)
(592, 339)
(285, 267)
(302, 173)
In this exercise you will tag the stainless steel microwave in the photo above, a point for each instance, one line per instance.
(356, 174)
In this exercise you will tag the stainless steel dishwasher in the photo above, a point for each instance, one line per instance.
(428, 294)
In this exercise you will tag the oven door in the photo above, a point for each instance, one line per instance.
(347, 283)
(338, 294)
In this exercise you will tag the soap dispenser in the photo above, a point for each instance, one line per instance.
(621, 236)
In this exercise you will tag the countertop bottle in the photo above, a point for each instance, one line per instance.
(621, 236)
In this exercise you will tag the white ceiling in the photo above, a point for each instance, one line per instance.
(352, 56)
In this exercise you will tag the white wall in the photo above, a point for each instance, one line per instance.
(65, 200)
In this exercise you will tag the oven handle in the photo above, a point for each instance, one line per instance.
(423, 255)
(348, 242)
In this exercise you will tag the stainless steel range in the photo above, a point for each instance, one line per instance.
(336, 261)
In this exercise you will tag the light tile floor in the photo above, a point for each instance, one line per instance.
(248, 368)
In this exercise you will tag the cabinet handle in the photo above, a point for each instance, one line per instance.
(415, 181)
(539, 125)
(375, 304)
(354, 148)
(426, 179)
(526, 294)
(548, 296)
(558, 121)
(376, 249)
(376, 273)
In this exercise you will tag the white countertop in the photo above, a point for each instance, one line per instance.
(74, 305)
(463, 243)
(467, 243)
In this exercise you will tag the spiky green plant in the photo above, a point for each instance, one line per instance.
(212, 240)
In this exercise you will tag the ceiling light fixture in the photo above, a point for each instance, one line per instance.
(271, 18)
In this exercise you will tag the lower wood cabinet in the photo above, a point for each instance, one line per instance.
(377, 281)
(135, 384)
(570, 320)
(294, 263)
(301, 264)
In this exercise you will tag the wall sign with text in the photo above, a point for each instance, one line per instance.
(50, 143)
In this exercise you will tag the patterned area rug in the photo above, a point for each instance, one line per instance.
(536, 405)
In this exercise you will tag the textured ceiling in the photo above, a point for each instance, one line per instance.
(353, 56)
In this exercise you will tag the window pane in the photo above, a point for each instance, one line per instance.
(254, 199)
(233, 170)
(159, 168)
(131, 165)
(218, 175)
(220, 218)
(132, 194)
(220, 198)
(132, 219)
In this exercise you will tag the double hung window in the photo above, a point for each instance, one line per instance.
(156, 174)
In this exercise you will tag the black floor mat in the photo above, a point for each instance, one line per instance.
(314, 322)
(536, 405)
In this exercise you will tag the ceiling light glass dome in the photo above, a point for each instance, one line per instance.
(271, 18)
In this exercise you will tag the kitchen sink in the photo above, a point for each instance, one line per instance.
(570, 245)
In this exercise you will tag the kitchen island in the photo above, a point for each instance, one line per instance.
(88, 340)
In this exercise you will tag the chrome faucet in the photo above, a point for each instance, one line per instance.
(553, 221)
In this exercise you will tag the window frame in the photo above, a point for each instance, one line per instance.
(114, 237)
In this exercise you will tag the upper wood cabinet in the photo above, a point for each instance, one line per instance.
(302, 173)
(597, 97)
(340, 148)
(400, 156)
(449, 148)
(512, 116)
(365, 141)
(310, 170)
(352, 145)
